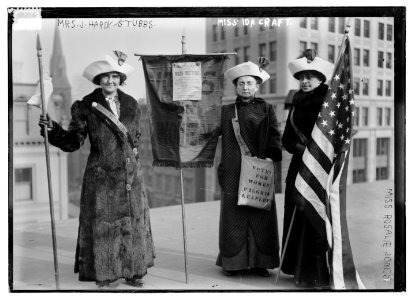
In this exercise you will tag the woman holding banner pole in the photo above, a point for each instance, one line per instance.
(305, 252)
(114, 236)
(248, 236)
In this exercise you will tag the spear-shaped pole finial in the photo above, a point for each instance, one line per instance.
(38, 45)
(183, 42)
(347, 29)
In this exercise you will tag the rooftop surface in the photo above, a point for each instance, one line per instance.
(33, 267)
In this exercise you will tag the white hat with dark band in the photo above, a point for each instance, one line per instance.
(106, 65)
(247, 69)
(311, 62)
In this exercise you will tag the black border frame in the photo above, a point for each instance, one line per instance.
(397, 12)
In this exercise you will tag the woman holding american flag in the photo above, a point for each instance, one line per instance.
(306, 250)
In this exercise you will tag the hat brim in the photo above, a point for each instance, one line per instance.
(247, 69)
(106, 65)
(318, 65)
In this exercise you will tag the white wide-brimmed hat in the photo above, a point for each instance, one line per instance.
(105, 65)
(310, 62)
(247, 69)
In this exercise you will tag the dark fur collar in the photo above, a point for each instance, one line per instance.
(127, 103)
(256, 99)
(310, 99)
(97, 94)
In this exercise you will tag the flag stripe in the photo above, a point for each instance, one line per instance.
(325, 145)
(318, 171)
(337, 258)
(312, 214)
(329, 231)
(320, 156)
(310, 183)
(349, 270)
(306, 192)
(359, 281)
(343, 265)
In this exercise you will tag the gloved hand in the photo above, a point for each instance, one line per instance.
(300, 148)
(262, 62)
(45, 120)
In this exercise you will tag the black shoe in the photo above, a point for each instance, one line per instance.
(261, 272)
(106, 284)
(102, 284)
(304, 284)
(322, 276)
(229, 273)
(135, 282)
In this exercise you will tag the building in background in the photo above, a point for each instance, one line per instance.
(30, 185)
(62, 94)
(61, 87)
(163, 184)
(281, 41)
(372, 151)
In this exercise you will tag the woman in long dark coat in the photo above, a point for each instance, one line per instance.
(248, 237)
(114, 237)
(305, 256)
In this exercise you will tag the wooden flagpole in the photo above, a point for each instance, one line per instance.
(346, 32)
(182, 189)
(286, 243)
(45, 133)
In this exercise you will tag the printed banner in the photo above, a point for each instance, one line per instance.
(187, 81)
(184, 122)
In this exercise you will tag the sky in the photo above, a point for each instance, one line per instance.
(87, 40)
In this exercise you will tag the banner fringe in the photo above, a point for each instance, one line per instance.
(178, 165)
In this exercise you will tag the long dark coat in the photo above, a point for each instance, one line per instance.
(114, 237)
(304, 242)
(259, 129)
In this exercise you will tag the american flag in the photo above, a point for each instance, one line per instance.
(320, 186)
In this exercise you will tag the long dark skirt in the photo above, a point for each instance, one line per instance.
(305, 256)
(248, 258)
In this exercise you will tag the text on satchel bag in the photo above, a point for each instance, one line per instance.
(256, 182)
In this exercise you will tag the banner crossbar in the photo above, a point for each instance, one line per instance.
(202, 54)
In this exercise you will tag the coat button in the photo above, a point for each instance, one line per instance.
(128, 187)
(135, 151)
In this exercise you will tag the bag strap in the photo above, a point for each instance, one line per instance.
(110, 119)
(240, 140)
(302, 137)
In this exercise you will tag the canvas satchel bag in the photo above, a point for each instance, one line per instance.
(256, 182)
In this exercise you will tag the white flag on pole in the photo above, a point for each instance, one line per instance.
(36, 99)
